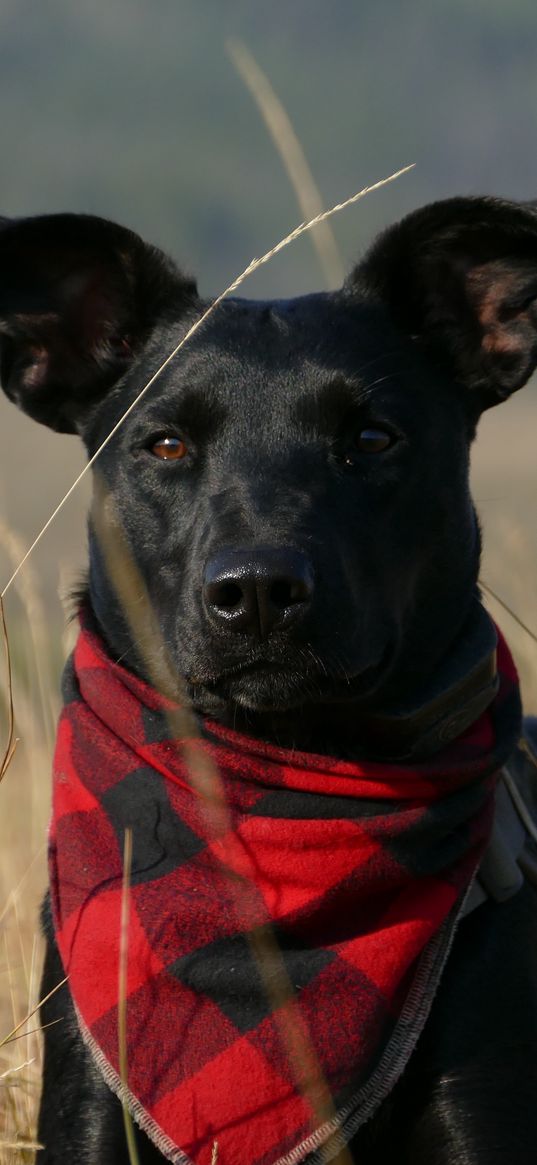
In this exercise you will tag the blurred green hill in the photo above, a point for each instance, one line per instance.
(131, 109)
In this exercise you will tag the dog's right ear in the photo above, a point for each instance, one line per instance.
(78, 297)
(460, 277)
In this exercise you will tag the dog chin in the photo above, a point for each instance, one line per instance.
(252, 693)
(276, 690)
(274, 693)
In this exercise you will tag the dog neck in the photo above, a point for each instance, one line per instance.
(459, 692)
(434, 713)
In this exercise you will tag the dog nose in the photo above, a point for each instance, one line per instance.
(257, 591)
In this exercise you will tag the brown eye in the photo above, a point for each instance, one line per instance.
(169, 448)
(373, 441)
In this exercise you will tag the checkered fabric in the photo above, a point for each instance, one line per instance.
(338, 882)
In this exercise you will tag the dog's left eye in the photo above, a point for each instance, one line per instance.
(169, 448)
(373, 440)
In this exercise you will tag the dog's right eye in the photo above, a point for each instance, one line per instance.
(169, 448)
(373, 440)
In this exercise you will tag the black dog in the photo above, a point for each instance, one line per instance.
(294, 490)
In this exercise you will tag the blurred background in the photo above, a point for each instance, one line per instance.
(134, 110)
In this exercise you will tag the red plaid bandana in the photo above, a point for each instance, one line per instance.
(355, 872)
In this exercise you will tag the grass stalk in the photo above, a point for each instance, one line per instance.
(281, 130)
(254, 265)
(122, 998)
(11, 738)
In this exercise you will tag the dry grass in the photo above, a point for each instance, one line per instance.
(25, 799)
(25, 805)
(296, 164)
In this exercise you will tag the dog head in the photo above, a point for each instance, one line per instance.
(293, 487)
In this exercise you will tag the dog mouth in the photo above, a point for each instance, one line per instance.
(277, 686)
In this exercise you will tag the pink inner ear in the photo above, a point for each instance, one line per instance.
(501, 342)
(491, 289)
(37, 369)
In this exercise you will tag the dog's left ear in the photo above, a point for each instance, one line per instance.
(460, 277)
(79, 296)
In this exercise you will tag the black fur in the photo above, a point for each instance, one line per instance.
(301, 578)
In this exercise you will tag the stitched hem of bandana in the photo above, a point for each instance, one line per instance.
(336, 1133)
(124, 1094)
